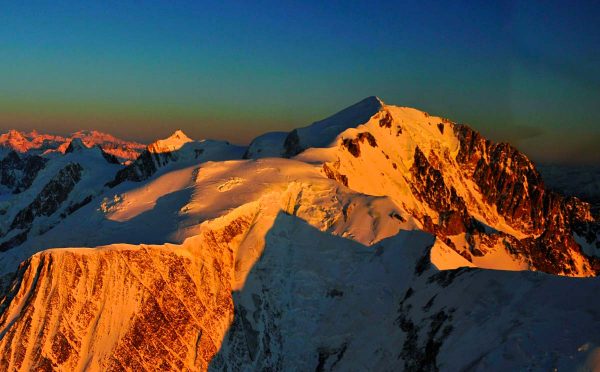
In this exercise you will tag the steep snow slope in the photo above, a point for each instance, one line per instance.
(170, 206)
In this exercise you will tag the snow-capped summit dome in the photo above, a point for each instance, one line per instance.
(318, 134)
(174, 142)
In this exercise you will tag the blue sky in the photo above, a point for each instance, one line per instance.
(524, 72)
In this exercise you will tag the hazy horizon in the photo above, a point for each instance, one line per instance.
(527, 74)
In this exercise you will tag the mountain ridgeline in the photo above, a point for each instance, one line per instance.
(379, 238)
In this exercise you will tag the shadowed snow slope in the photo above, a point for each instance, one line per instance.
(356, 243)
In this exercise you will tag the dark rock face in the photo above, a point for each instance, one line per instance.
(14, 241)
(141, 169)
(423, 339)
(18, 172)
(73, 207)
(333, 174)
(50, 198)
(508, 180)
(109, 157)
(428, 185)
(353, 144)
(329, 357)
(291, 145)
(386, 120)
(76, 144)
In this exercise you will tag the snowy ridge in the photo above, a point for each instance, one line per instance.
(319, 134)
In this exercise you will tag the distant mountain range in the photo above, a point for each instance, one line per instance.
(380, 238)
(41, 144)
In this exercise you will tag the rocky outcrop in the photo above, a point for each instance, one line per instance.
(17, 172)
(142, 168)
(333, 174)
(508, 180)
(353, 144)
(50, 199)
(291, 145)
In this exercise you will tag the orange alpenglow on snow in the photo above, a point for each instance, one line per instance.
(381, 237)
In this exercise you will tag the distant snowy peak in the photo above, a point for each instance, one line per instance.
(76, 144)
(33, 141)
(172, 143)
(319, 134)
(121, 149)
(177, 151)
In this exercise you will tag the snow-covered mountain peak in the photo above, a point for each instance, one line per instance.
(375, 98)
(346, 249)
(15, 134)
(322, 133)
(76, 144)
(14, 140)
(172, 143)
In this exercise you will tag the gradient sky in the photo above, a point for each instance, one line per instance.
(521, 71)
